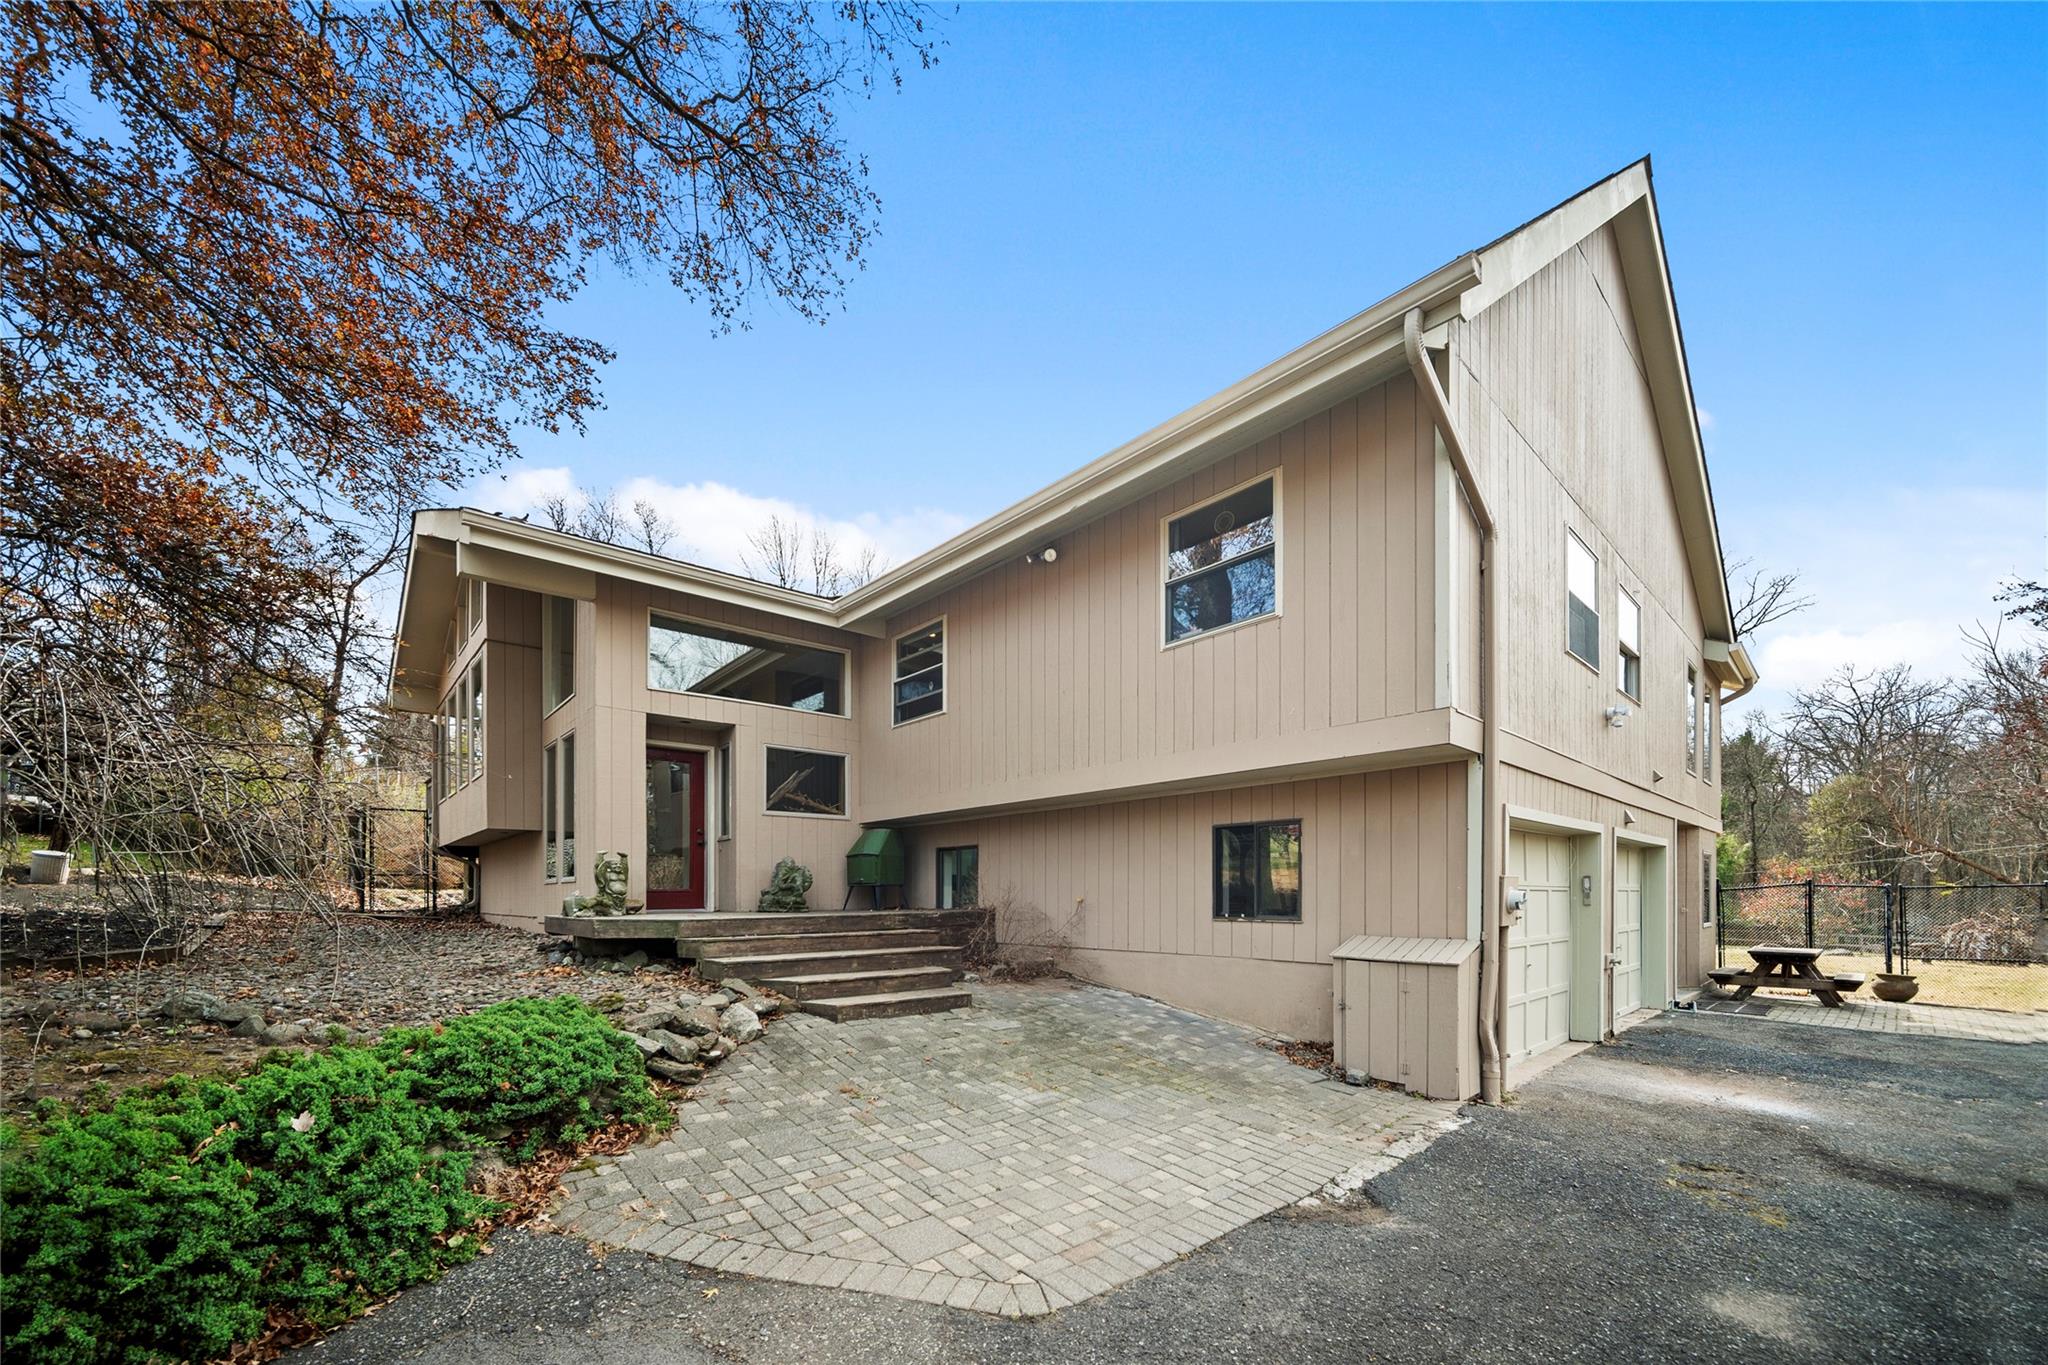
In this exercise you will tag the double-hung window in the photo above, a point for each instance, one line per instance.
(921, 672)
(1582, 601)
(1221, 563)
(1628, 636)
(1258, 870)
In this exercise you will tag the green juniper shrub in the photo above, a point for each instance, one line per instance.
(528, 1074)
(165, 1224)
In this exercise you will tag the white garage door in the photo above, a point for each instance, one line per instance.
(1539, 984)
(1628, 929)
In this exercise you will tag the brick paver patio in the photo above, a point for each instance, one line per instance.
(1865, 1015)
(1046, 1145)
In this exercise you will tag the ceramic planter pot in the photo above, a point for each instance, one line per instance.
(1895, 987)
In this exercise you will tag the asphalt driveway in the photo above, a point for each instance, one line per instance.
(1704, 1189)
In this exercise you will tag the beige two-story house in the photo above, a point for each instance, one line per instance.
(1374, 698)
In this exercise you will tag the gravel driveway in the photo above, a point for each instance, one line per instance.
(1705, 1189)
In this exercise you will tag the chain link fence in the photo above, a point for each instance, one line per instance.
(1983, 945)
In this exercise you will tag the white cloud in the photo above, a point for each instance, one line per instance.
(713, 520)
(1896, 575)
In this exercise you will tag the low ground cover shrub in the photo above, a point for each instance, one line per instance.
(168, 1223)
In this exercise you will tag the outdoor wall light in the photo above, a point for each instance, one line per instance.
(1586, 888)
(1046, 556)
(1617, 714)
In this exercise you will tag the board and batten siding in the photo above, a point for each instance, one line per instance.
(1557, 414)
(1128, 885)
(1058, 683)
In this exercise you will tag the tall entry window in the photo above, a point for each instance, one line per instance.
(959, 877)
(1258, 870)
(691, 656)
(1221, 565)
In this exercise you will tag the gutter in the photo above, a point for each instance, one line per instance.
(1492, 1073)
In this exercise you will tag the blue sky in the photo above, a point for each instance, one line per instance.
(1095, 216)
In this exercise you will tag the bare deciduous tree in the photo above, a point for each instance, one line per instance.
(1762, 598)
(790, 556)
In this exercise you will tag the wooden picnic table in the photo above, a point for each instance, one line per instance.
(1785, 968)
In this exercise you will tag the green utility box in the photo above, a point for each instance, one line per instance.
(876, 859)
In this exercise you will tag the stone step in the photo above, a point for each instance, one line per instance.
(759, 967)
(847, 1008)
(831, 985)
(763, 945)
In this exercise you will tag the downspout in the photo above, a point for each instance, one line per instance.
(1491, 1070)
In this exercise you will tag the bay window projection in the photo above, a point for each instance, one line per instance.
(717, 661)
(1221, 564)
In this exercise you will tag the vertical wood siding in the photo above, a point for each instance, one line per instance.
(1058, 671)
(1557, 412)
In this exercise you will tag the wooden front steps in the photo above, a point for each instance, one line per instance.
(841, 965)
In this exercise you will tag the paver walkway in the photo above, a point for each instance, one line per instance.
(1048, 1144)
(1865, 1015)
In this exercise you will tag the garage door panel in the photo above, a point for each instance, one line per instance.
(1628, 930)
(1539, 947)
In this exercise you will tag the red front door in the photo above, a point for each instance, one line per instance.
(675, 829)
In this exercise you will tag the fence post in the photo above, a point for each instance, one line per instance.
(1888, 927)
(1809, 912)
(1720, 926)
(1905, 932)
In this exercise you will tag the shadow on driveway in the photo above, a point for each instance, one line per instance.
(1704, 1189)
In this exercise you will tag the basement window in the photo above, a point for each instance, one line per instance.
(1221, 565)
(1582, 601)
(1258, 871)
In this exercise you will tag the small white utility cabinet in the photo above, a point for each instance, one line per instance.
(1408, 1014)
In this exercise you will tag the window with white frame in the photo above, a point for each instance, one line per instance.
(1628, 637)
(557, 651)
(472, 593)
(1221, 563)
(718, 661)
(558, 809)
(1582, 601)
(921, 672)
(476, 717)
(1707, 732)
(802, 782)
(1692, 719)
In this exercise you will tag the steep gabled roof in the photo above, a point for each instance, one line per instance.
(1354, 355)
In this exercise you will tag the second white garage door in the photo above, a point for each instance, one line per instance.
(1539, 984)
(1628, 929)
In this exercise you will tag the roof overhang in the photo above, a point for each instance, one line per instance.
(1352, 357)
(1628, 201)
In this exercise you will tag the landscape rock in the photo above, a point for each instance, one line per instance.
(189, 1003)
(486, 1170)
(250, 1026)
(740, 1024)
(633, 961)
(717, 1001)
(640, 1021)
(741, 990)
(681, 1073)
(677, 1047)
(696, 1022)
(648, 1047)
(96, 1021)
(284, 1035)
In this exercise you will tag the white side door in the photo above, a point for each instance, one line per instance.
(1628, 929)
(1539, 980)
